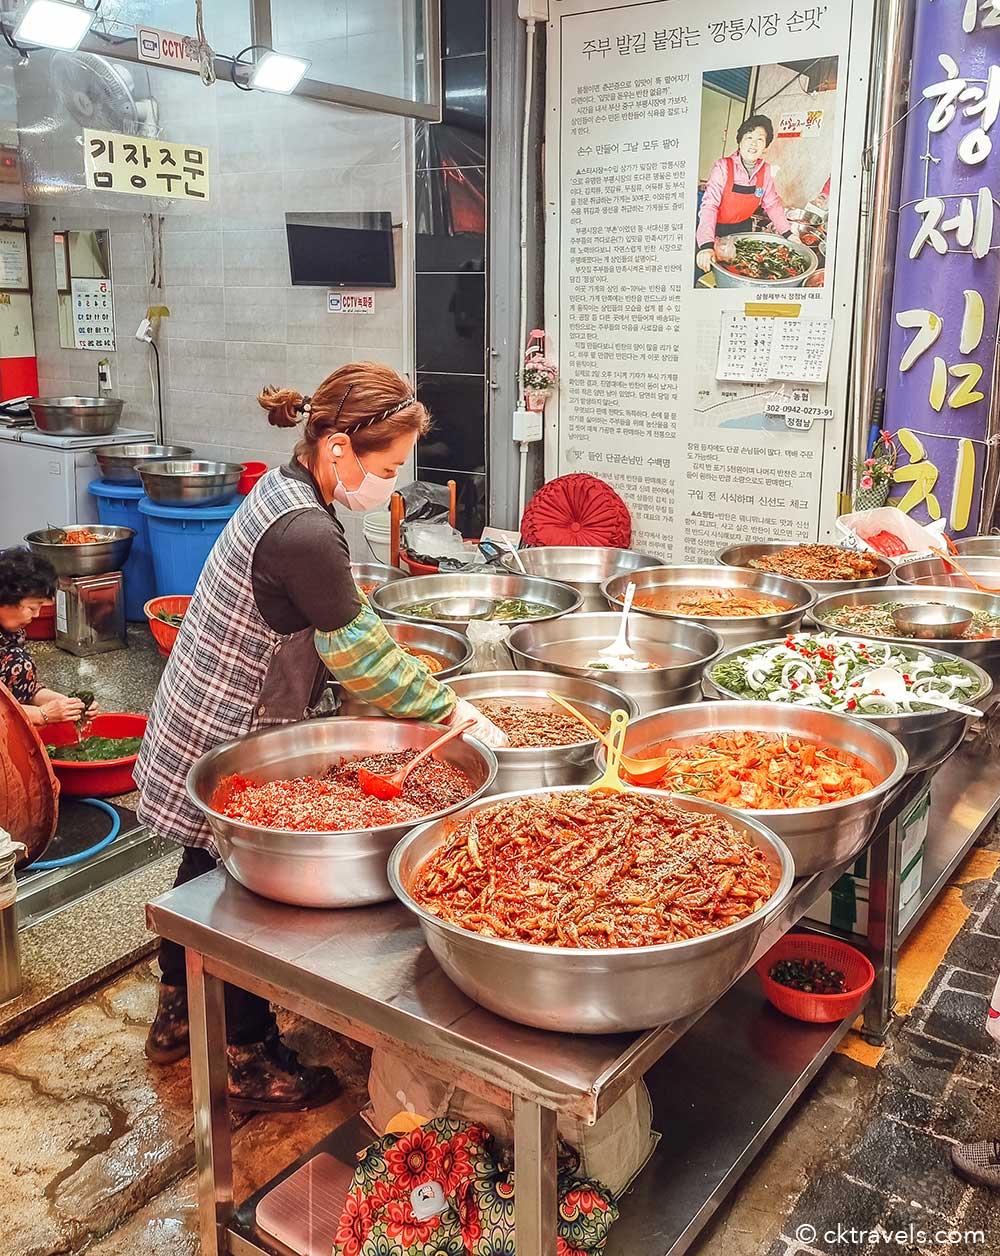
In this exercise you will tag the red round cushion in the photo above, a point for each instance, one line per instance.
(577, 509)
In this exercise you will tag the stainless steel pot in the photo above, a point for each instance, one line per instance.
(726, 279)
(939, 573)
(119, 463)
(591, 991)
(928, 737)
(581, 567)
(983, 653)
(376, 574)
(182, 482)
(451, 647)
(76, 416)
(682, 647)
(319, 869)
(393, 599)
(531, 767)
(743, 555)
(818, 837)
(733, 629)
(92, 558)
(979, 545)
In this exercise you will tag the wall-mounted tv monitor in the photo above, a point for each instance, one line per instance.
(341, 250)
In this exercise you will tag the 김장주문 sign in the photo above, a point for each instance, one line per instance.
(946, 287)
(145, 167)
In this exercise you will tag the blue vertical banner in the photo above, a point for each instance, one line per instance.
(946, 284)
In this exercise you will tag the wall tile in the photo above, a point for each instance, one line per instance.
(255, 314)
(366, 16)
(318, 191)
(308, 365)
(250, 366)
(249, 144)
(197, 365)
(249, 200)
(308, 322)
(191, 257)
(196, 312)
(255, 259)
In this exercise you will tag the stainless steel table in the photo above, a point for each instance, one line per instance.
(367, 974)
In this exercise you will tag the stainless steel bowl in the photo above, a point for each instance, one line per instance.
(591, 991)
(933, 622)
(567, 645)
(181, 482)
(76, 416)
(818, 837)
(93, 558)
(984, 653)
(319, 869)
(376, 574)
(583, 568)
(742, 556)
(984, 546)
(120, 463)
(928, 737)
(531, 767)
(984, 568)
(726, 279)
(733, 629)
(393, 599)
(451, 647)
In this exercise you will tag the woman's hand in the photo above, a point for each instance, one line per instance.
(705, 258)
(60, 708)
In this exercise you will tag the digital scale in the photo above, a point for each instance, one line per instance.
(90, 614)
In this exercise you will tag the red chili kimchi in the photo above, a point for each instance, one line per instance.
(336, 803)
(593, 871)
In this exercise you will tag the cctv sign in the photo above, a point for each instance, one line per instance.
(166, 48)
(350, 302)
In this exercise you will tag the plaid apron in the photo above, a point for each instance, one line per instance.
(228, 672)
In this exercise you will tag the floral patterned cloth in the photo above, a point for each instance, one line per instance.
(17, 667)
(379, 1217)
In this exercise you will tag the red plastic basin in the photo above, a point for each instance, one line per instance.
(818, 1009)
(165, 634)
(43, 627)
(252, 471)
(103, 778)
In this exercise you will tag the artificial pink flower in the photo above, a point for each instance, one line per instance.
(867, 481)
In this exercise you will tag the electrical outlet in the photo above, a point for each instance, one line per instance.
(537, 9)
(527, 425)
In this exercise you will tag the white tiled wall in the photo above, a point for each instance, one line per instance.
(235, 321)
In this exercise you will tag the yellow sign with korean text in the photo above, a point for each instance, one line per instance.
(145, 167)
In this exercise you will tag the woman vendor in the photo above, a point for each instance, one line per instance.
(275, 613)
(738, 187)
(26, 582)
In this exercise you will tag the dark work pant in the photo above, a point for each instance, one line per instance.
(248, 1017)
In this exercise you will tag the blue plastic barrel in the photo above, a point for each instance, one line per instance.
(118, 506)
(181, 539)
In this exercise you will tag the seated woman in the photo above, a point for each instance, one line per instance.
(25, 583)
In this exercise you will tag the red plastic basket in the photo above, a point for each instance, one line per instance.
(252, 471)
(817, 1008)
(165, 634)
(43, 626)
(104, 777)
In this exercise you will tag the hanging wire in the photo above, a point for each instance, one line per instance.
(202, 48)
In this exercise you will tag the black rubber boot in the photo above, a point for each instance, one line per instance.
(268, 1077)
(978, 1163)
(167, 1040)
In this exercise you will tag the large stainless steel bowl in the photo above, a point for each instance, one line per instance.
(583, 568)
(120, 463)
(375, 574)
(319, 869)
(980, 545)
(452, 648)
(818, 837)
(184, 482)
(928, 737)
(591, 991)
(76, 416)
(985, 653)
(92, 558)
(742, 556)
(733, 629)
(393, 599)
(984, 568)
(682, 647)
(726, 279)
(531, 767)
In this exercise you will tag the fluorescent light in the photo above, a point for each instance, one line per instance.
(53, 24)
(275, 72)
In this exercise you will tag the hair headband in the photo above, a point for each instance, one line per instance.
(376, 418)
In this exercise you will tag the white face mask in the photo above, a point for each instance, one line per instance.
(370, 494)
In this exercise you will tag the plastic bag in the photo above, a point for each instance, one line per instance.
(426, 502)
(489, 646)
(856, 528)
(993, 1015)
(431, 542)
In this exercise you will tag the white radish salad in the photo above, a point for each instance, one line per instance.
(844, 674)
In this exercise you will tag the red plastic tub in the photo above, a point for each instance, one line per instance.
(252, 471)
(103, 778)
(43, 627)
(165, 634)
(818, 1009)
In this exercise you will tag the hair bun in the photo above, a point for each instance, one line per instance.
(283, 406)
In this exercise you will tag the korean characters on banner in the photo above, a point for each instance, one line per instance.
(703, 183)
(946, 284)
(145, 167)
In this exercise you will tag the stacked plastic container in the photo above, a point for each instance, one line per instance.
(180, 541)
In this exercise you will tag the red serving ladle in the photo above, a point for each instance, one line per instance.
(387, 787)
